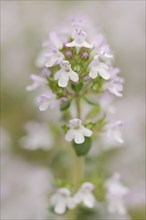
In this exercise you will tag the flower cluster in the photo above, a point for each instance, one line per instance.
(74, 65)
(63, 199)
(115, 193)
(77, 72)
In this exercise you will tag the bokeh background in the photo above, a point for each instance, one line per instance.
(26, 176)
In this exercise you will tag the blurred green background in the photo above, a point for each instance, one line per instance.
(24, 26)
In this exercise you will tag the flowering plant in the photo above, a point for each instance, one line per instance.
(78, 78)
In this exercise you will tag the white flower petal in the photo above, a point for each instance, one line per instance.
(60, 207)
(73, 76)
(78, 136)
(87, 45)
(51, 62)
(31, 87)
(86, 132)
(71, 44)
(89, 200)
(55, 40)
(93, 74)
(118, 136)
(44, 105)
(69, 135)
(63, 80)
(57, 75)
(104, 73)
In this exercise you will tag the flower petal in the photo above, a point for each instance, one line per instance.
(78, 136)
(86, 132)
(93, 74)
(104, 73)
(69, 135)
(63, 80)
(31, 87)
(57, 75)
(44, 105)
(60, 207)
(89, 200)
(73, 76)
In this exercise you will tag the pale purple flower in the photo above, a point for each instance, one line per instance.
(115, 194)
(114, 88)
(38, 137)
(62, 200)
(77, 131)
(85, 195)
(113, 132)
(55, 40)
(98, 68)
(79, 40)
(46, 101)
(53, 57)
(65, 73)
(37, 82)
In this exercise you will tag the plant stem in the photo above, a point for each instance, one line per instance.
(78, 106)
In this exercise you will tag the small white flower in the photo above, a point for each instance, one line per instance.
(37, 82)
(115, 194)
(77, 131)
(114, 133)
(85, 196)
(65, 73)
(46, 101)
(79, 40)
(53, 57)
(98, 68)
(62, 200)
(105, 53)
(38, 137)
(114, 88)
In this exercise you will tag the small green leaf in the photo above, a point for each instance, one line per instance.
(83, 149)
(65, 105)
(89, 101)
(90, 125)
(77, 87)
(65, 128)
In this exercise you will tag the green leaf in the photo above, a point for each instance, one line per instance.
(65, 105)
(90, 125)
(89, 101)
(83, 149)
(77, 87)
(65, 128)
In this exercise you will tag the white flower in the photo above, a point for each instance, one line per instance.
(105, 53)
(98, 68)
(113, 132)
(62, 200)
(38, 137)
(85, 196)
(65, 73)
(37, 82)
(77, 131)
(53, 57)
(115, 193)
(114, 88)
(79, 40)
(46, 101)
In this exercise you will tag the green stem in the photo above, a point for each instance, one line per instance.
(79, 161)
(78, 106)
